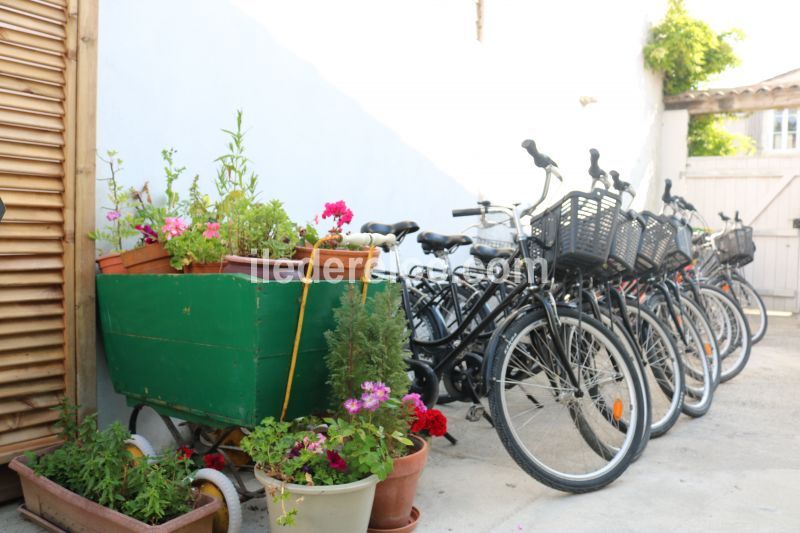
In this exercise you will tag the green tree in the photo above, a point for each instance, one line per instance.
(687, 51)
(708, 137)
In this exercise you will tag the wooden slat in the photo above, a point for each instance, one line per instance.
(18, 264)
(30, 104)
(15, 69)
(32, 340)
(30, 325)
(31, 357)
(31, 136)
(31, 231)
(22, 310)
(11, 117)
(31, 151)
(56, 14)
(31, 388)
(31, 372)
(29, 403)
(30, 40)
(36, 183)
(30, 199)
(9, 451)
(48, 169)
(27, 279)
(28, 55)
(32, 214)
(19, 246)
(16, 421)
(30, 23)
(31, 87)
(22, 435)
(29, 294)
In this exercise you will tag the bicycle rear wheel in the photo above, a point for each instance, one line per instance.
(731, 328)
(573, 440)
(752, 305)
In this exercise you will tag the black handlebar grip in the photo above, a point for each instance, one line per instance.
(618, 183)
(723, 217)
(689, 206)
(540, 159)
(736, 217)
(469, 212)
(594, 170)
(667, 196)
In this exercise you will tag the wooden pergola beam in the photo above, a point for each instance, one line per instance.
(735, 100)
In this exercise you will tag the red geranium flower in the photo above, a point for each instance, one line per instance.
(214, 460)
(184, 452)
(421, 422)
(437, 423)
(335, 461)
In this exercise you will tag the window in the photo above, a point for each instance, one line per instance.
(784, 129)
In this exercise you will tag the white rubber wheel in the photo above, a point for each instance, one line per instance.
(230, 520)
(140, 447)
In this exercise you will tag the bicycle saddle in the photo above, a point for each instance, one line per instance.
(486, 253)
(400, 229)
(436, 242)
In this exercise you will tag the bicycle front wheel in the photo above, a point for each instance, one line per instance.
(753, 307)
(573, 439)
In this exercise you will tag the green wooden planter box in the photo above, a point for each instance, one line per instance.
(215, 349)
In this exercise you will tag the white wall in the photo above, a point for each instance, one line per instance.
(392, 106)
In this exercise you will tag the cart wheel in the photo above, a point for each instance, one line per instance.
(139, 446)
(217, 485)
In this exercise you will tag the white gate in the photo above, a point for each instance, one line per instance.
(766, 191)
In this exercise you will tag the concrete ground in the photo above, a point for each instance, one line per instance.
(736, 469)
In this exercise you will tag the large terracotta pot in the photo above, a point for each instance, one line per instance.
(149, 259)
(111, 264)
(206, 268)
(332, 509)
(271, 269)
(336, 265)
(69, 511)
(394, 496)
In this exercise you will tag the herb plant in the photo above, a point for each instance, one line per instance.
(118, 213)
(96, 465)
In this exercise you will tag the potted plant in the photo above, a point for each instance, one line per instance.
(119, 227)
(331, 260)
(156, 224)
(368, 342)
(320, 475)
(93, 478)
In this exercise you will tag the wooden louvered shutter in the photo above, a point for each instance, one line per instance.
(47, 116)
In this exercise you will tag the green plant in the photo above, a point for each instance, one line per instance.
(333, 451)
(232, 174)
(151, 217)
(96, 465)
(367, 345)
(262, 227)
(707, 137)
(201, 243)
(118, 215)
(687, 50)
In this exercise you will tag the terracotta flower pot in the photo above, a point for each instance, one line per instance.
(69, 511)
(329, 508)
(413, 521)
(206, 268)
(271, 269)
(394, 496)
(149, 259)
(111, 264)
(336, 265)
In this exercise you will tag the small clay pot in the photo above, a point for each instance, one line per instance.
(413, 521)
(270, 269)
(205, 268)
(394, 496)
(111, 264)
(149, 259)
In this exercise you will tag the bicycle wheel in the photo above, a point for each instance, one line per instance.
(698, 378)
(753, 307)
(694, 313)
(663, 367)
(537, 411)
(728, 320)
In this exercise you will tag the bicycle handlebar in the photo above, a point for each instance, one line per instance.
(594, 169)
(621, 186)
(723, 217)
(468, 212)
(667, 196)
(736, 217)
(369, 239)
(541, 160)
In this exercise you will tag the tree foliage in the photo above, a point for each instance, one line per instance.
(687, 50)
(707, 137)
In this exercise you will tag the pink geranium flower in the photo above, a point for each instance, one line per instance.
(370, 402)
(111, 216)
(352, 406)
(416, 401)
(212, 230)
(339, 211)
(173, 227)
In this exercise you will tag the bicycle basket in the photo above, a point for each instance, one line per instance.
(577, 232)
(656, 239)
(625, 245)
(736, 247)
(679, 251)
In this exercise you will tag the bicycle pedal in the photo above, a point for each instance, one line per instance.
(475, 413)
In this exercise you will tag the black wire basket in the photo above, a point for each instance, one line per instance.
(625, 245)
(576, 233)
(736, 247)
(656, 239)
(679, 251)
